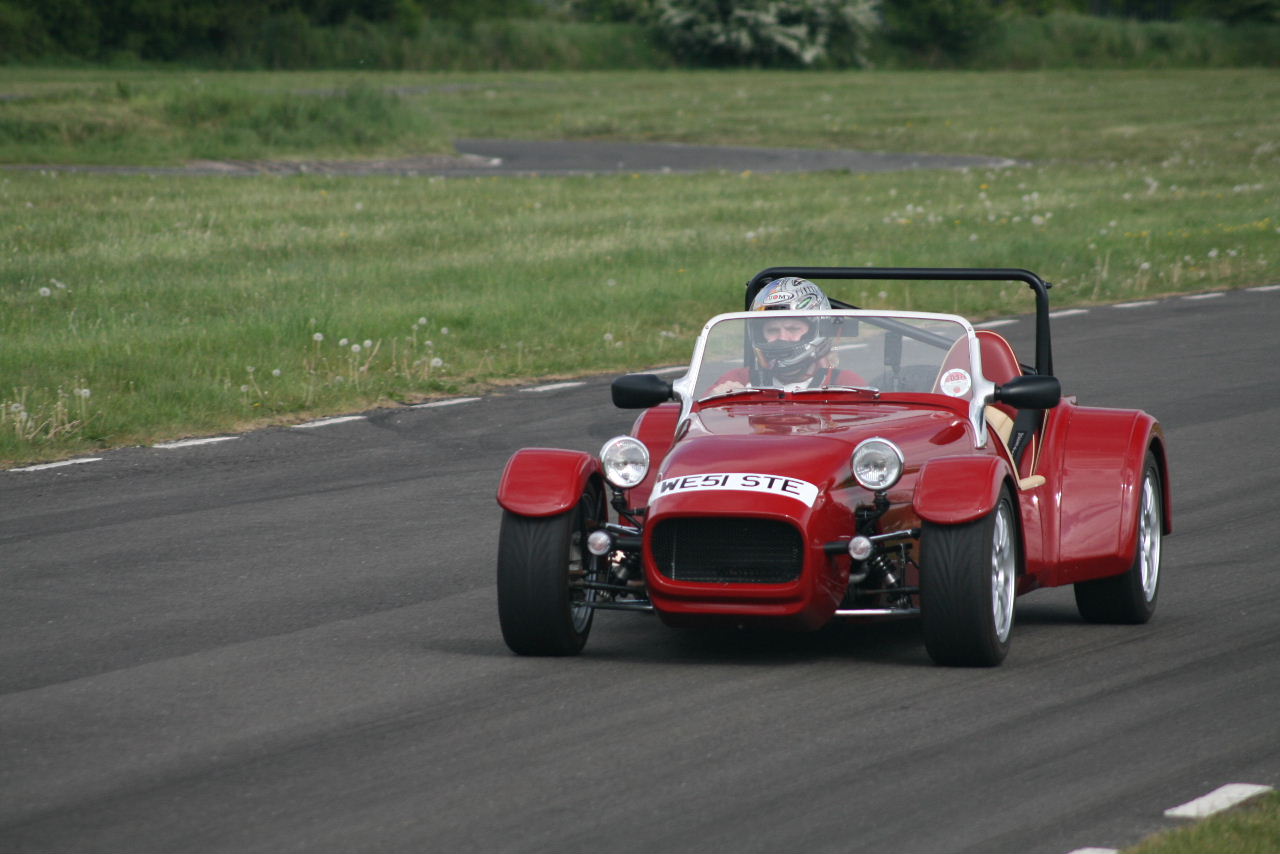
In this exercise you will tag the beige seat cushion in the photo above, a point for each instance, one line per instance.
(1001, 425)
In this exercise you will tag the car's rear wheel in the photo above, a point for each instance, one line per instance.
(968, 580)
(543, 606)
(1131, 596)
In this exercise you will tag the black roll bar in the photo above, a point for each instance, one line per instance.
(1044, 351)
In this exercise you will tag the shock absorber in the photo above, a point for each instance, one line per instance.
(879, 564)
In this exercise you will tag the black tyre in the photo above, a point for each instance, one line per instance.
(968, 579)
(1131, 596)
(542, 562)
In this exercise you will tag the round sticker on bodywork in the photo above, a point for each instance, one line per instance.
(956, 382)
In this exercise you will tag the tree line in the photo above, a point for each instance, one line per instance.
(697, 32)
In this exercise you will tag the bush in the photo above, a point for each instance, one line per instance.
(1066, 40)
(939, 32)
(769, 33)
(22, 33)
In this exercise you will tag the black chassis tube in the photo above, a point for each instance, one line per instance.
(1044, 350)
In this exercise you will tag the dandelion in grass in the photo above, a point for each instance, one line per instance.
(444, 330)
(342, 342)
(368, 344)
(244, 389)
(608, 338)
(318, 337)
(275, 372)
(355, 348)
(1144, 266)
(422, 321)
(437, 362)
(84, 393)
(1213, 253)
(44, 292)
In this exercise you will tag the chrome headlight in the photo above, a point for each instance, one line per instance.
(877, 464)
(625, 460)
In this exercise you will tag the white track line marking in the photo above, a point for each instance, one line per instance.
(1262, 289)
(191, 443)
(992, 324)
(438, 403)
(1139, 304)
(1214, 295)
(46, 466)
(1095, 851)
(1069, 312)
(1221, 798)
(325, 422)
(556, 386)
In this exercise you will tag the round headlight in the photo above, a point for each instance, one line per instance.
(625, 460)
(877, 464)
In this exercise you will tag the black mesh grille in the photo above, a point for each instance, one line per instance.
(728, 550)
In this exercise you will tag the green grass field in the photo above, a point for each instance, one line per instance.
(140, 307)
(1252, 828)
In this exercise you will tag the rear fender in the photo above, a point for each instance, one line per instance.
(545, 481)
(956, 490)
(1102, 490)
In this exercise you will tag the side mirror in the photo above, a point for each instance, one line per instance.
(640, 391)
(1032, 391)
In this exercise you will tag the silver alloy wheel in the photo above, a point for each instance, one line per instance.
(1003, 572)
(1149, 538)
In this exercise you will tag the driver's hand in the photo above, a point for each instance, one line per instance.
(726, 386)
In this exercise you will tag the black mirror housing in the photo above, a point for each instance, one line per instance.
(640, 391)
(1032, 391)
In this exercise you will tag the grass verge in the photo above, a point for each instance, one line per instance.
(1253, 828)
(141, 307)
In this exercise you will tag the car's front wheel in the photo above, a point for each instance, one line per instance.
(1131, 596)
(543, 566)
(968, 580)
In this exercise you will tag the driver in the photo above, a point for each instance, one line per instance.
(791, 352)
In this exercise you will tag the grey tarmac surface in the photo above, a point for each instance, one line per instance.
(289, 642)
(510, 158)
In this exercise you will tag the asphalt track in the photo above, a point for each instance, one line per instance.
(288, 642)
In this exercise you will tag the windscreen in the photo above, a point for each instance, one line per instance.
(800, 350)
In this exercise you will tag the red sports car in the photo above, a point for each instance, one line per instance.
(918, 470)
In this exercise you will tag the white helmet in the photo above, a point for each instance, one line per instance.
(790, 361)
(790, 294)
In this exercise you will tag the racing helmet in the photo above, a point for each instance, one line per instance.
(790, 360)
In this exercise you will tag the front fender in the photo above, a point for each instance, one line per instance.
(656, 427)
(956, 490)
(545, 481)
